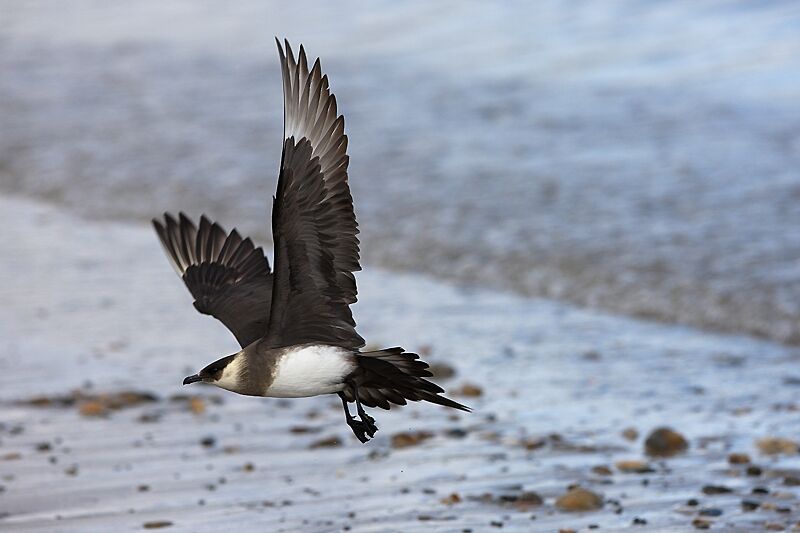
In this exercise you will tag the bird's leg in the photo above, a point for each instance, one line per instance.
(359, 428)
(368, 421)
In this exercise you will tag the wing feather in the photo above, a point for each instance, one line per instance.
(228, 277)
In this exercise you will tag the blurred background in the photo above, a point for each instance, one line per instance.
(637, 156)
(531, 180)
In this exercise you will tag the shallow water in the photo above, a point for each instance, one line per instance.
(95, 306)
(627, 155)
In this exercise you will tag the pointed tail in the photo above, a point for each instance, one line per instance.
(393, 376)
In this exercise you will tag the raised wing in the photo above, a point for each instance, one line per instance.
(313, 225)
(310, 111)
(228, 277)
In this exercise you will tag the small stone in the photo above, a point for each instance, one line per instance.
(532, 443)
(208, 442)
(528, 500)
(602, 470)
(197, 405)
(750, 505)
(791, 481)
(43, 447)
(456, 433)
(143, 488)
(248, 467)
(701, 523)
(469, 390)
(300, 430)
(405, 440)
(630, 434)
(692, 502)
(442, 371)
(579, 499)
(92, 409)
(777, 445)
(453, 499)
(157, 524)
(754, 470)
(634, 467)
(665, 442)
(710, 511)
(639, 521)
(329, 442)
(712, 490)
(739, 459)
(12, 456)
(773, 526)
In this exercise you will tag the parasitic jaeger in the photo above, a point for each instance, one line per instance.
(294, 323)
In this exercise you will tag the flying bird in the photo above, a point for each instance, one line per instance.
(294, 324)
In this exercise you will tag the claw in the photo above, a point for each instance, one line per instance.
(361, 430)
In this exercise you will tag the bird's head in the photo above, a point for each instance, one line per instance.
(223, 373)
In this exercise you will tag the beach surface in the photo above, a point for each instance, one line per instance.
(97, 433)
(583, 214)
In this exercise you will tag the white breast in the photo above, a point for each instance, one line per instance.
(310, 371)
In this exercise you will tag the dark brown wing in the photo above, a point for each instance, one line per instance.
(310, 111)
(228, 277)
(313, 224)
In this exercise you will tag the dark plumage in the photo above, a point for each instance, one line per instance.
(294, 325)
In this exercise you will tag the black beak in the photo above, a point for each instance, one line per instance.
(192, 379)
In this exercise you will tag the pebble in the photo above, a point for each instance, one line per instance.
(442, 371)
(197, 405)
(469, 390)
(630, 434)
(701, 523)
(527, 500)
(739, 459)
(92, 409)
(754, 470)
(716, 489)
(777, 445)
(665, 442)
(453, 499)
(602, 470)
(157, 524)
(750, 505)
(579, 499)
(329, 442)
(405, 440)
(634, 467)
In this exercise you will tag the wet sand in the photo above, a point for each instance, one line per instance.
(94, 307)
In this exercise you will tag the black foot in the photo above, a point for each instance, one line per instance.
(369, 422)
(362, 431)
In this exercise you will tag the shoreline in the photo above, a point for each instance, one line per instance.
(90, 301)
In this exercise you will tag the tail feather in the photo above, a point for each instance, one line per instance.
(393, 376)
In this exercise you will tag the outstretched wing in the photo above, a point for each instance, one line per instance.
(313, 225)
(228, 277)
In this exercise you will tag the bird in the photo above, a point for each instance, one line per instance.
(293, 323)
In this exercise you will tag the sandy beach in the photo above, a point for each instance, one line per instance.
(93, 307)
(583, 214)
